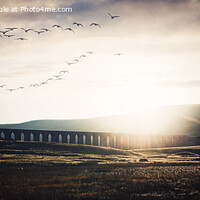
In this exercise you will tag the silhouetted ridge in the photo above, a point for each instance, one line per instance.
(182, 119)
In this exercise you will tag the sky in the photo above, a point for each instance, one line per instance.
(158, 42)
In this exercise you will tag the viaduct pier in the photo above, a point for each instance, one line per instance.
(121, 141)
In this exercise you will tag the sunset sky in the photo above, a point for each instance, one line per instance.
(159, 42)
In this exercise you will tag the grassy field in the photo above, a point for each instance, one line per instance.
(33, 170)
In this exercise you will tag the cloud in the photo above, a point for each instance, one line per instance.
(148, 26)
(193, 83)
(169, 83)
(160, 16)
(83, 6)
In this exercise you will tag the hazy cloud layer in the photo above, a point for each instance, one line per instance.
(159, 41)
(158, 16)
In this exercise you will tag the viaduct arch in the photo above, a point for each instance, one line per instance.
(122, 141)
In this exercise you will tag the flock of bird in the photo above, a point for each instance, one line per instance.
(8, 31)
(55, 77)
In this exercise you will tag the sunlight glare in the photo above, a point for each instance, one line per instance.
(141, 98)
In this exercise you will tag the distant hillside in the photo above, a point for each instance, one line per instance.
(182, 119)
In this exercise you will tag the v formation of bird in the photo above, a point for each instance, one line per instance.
(56, 77)
(60, 75)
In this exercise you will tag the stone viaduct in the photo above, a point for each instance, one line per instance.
(122, 141)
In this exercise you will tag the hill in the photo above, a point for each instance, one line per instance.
(181, 119)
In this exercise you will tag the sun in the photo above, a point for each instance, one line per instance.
(141, 98)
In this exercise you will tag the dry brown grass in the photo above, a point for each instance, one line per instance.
(45, 171)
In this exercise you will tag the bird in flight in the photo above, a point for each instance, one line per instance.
(27, 30)
(118, 54)
(83, 56)
(57, 26)
(4, 32)
(49, 79)
(39, 32)
(57, 76)
(43, 83)
(78, 24)
(1, 86)
(33, 85)
(11, 90)
(95, 24)
(69, 29)
(113, 17)
(11, 29)
(45, 29)
(70, 63)
(89, 52)
(20, 88)
(63, 71)
(9, 35)
(21, 39)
